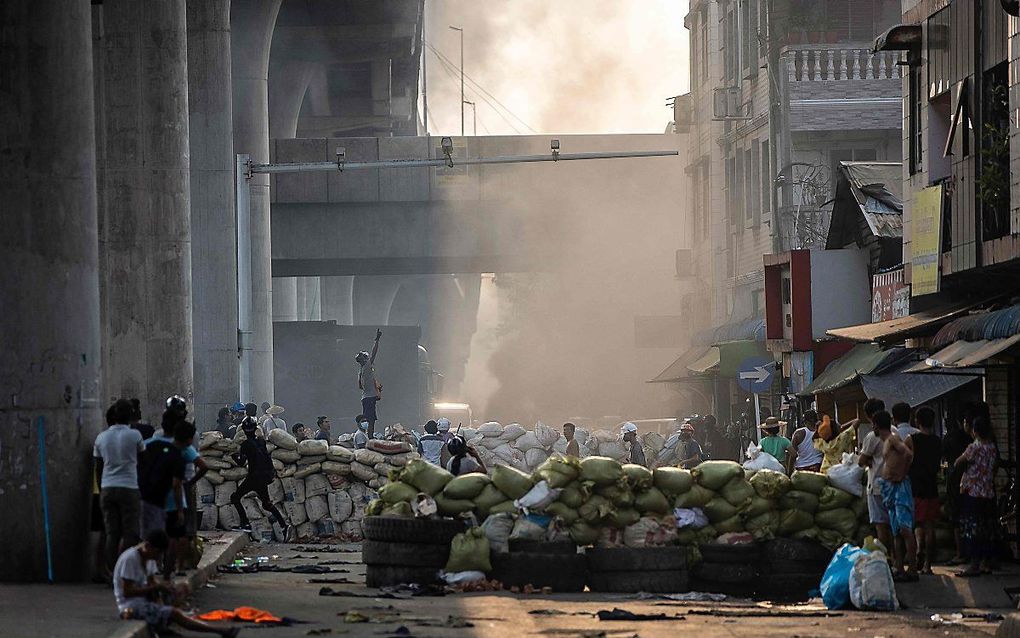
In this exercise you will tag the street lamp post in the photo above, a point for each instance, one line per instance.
(474, 116)
(461, 31)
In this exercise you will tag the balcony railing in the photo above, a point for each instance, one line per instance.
(815, 64)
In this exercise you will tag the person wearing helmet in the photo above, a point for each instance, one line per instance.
(688, 451)
(254, 455)
(463, 458)
(443, 425)
(637, 454)
(371, 389)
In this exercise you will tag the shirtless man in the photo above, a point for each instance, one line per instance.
(897, 496)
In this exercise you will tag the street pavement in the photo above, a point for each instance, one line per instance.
(509, 615)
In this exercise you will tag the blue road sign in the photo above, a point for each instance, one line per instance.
(755, 374)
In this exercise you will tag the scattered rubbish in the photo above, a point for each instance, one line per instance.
(299, 556)
(310, 569)
(765, 613)
(331, 581)
(339, 562)
(210, 586)
(558, 612)
(948, 619)
(623, 614)
(319, 632)
(690, 596)
(451, 622)
(413, 589)
(340, 593)
(244, 614)
(461, 578)
(355, 617)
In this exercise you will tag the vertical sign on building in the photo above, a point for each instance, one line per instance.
(926, 241)
(890, 298)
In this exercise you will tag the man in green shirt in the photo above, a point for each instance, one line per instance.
(773, 442)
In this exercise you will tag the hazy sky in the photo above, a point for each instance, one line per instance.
(561, 66)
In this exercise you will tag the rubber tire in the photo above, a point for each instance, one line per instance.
(742, 554)
(726, 572)
(387, 575)
(563, 573)
(661, 582)
(781, 550)
(739, 590)
(411, 530)
(637, 559)
(521, 545)
(787, 587)
(784, 567)
(404, 555)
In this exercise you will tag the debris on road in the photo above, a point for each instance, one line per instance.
(623, 614)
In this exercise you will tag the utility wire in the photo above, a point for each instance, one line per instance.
(453, 72)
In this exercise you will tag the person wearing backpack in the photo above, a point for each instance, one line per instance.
(255, 456)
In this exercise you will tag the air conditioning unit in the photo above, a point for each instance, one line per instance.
(726, 104)
(684, 262)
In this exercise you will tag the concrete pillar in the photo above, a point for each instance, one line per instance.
(373, 297)
(146, 235)
(251, 24)
(285, 299)
(213, 255)
(49, 287)
(336, 294)
(309, 300)
(288, 80)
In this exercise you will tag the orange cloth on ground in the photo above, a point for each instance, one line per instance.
(246, 614)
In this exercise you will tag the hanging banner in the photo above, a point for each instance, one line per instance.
(926, 241)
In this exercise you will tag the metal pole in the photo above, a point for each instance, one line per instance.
(244, 303)
(474, 117)
(461, 31)
(424, 72)
(757, 419)
(301, 167)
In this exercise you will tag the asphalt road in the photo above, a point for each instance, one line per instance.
(509, 615)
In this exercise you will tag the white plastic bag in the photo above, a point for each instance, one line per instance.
(538, 497)
(848, 475)
(692, 517)
(759, 460)
(871, 583)
(497, 529)
(459, 578)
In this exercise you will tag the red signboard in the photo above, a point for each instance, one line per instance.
(890, 297)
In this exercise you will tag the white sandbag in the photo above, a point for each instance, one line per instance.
(205, 492)
(315, 485)
(492, 429)
(871, 583)
(508, 454)
(312, 447)
(209, 517)
(283, 439)
(212, 453)
(535, 457)
(305, 530)
(488, 442)
(275, 490)
(295, 512)
(653, 441)
(340, 504)
(287, 471)
(363, 472)
(207, 439)
(252, 507)
(400, 460)
(214, 463)
(214, 477)
(285, 455)
(262, 530)
(848, 475)
(346, 440)
(613, 449)
(529, 441)
(538, 498)
(560, 446)
(581, 435)
(308, 470)
(468, 433)
(293, 489)
(340, 454)
(351, 529)
(223, 492)
(361, 494)
(228, 446)
(241, 436)
(497, 528)
(368, 457)
(333, 467)
(227, 517)
(326, 527)
(316, 507)
(546, 435)
(234, 473)
(305, 461)
(604, 436)
(382, 469)
(512, 432)
(376, 483)
(757, 459)
(389, 447)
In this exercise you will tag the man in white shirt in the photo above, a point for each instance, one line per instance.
(116, 452)
(272, 420)
(135, 586)
(901, 421)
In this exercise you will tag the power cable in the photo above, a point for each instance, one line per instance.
(453, 72)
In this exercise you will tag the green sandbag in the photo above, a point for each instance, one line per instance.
(763, 526)
(466, 486)
(558, 471)
(842, 519)
(792, 521)
(672, 480)
(375, 507)
(622, 517)
(425, 477)
(639, 477)
(770, 484)
(489, 497)
(707, 534)
(582, 533)
(731, 524)
(511, 481)
(808, 534)
(452, 506)
(719, 509)
(757, 507)
(697, 496)
(813, 482)
(469, 552)
(601, 470)
(397, 492)
(506, 507)
(619, 495)
(687, 536)
(595, 509)
(860, 508)
(831, 539)
(568, 514)
(832, 497)
(651, 501)
(715, 474)
(573, 496)
(737, 492)
(798, 500)
(398, 510)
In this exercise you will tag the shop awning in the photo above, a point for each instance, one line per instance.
(678, 371)
(895, 385)
(965, 354)
(896, 330)
(862, 359)
(707, 363)
(733, 353)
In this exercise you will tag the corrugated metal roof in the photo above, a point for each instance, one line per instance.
(965, 354)
(878, 189)
(677, 371)
(894, 386)
(987, 325)
(898, 329)
(866, 358)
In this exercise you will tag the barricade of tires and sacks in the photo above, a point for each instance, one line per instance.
(610, 526)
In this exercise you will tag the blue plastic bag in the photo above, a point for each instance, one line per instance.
(835, 585)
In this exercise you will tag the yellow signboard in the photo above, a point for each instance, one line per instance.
(926, 241)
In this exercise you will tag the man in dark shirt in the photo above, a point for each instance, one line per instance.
(954, 443)
(637, 453)
(224, 424)
(160, 472)
(924, 472)
(261, 473)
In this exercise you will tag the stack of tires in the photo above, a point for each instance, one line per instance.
(405, 550)
(552, 564)
(662, 570)
(791, 568)
(728, 569)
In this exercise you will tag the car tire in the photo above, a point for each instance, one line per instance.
(521, 545)
(404, 554)
(787, 587)
(790, 549)
(784, 567)
(742, 554)
(388, 575)
(654, 582)
(421, 531)
(726, 573)
(637, 559)
(563, 573)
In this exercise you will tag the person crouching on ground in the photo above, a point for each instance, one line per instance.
(463, 458)
(894, 484)
(254, 454)
(136, 590)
